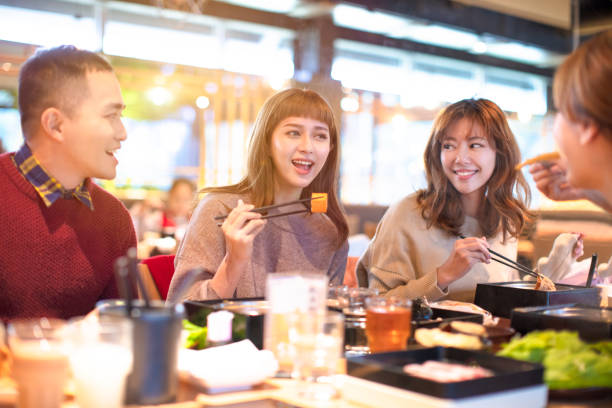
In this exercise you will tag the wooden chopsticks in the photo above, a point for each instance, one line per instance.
(510, 263)
(265, 209)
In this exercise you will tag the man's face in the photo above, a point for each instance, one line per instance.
(94, 131)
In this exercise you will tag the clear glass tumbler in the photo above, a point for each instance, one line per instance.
(288, 295)
(317, 341)
(101, 359)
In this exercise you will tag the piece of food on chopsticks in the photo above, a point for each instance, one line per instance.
(544, 283)
(553, 156)
(444, 372)
(318, 203)
(568, 361)
(319, 198)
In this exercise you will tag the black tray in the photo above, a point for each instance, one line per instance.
(248, 316)
(591, 323)
(387, 368)
(500, 298)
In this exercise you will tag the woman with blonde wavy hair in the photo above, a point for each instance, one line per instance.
(472, 191)
(294, 151)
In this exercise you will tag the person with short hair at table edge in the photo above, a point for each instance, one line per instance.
(582, 92)
(61, 233)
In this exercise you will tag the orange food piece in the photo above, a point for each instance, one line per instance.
(542, 157)
(318, 203)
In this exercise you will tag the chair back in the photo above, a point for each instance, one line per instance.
(161, 269)
(350, 276)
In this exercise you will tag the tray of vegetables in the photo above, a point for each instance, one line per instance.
(572, 367)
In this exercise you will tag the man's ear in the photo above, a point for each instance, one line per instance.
(52, 123)
(589, 132)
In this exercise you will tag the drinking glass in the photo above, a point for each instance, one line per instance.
(355, 341)
(101, 358)
(317, 341)
(388, 322)
(337, 296)
(356, 300)
(40, 364)
(288, 295)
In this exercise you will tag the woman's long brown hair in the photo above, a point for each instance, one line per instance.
(259, 180)
(440, 202)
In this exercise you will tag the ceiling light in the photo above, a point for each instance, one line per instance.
(202, 102)
(349, 104)
(159, 96)
(479, 47)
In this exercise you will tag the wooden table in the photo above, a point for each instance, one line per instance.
(276, 393)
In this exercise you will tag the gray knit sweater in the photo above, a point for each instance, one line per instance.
(295, 243)
(404, 254)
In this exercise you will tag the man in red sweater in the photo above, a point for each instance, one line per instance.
(61, 233)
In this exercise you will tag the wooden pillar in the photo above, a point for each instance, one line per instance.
(313, 57)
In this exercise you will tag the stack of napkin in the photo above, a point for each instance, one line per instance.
(232, 367)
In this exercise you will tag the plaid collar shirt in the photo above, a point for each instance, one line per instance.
(48, 188)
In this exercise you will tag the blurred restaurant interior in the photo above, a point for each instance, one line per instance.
(194, 73)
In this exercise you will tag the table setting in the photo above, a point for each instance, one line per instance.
(304, 344)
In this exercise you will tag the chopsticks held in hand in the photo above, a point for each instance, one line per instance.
(318, 203)
(510, 263)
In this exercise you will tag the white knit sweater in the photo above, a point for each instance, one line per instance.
(403, 256)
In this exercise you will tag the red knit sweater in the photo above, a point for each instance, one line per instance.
(57, 261)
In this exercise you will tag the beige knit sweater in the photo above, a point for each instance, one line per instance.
(295, 243)
(403, 256)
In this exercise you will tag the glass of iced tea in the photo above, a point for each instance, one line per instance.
(388, 323)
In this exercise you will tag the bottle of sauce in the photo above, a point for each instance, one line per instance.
(219, 328)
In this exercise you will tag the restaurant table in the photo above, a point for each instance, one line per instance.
(280, 393)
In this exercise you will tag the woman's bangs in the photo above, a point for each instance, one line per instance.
(305, 106)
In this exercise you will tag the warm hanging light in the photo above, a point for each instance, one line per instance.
(202, 102)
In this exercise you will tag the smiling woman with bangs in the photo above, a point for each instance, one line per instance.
(293, 152)
(474, 191)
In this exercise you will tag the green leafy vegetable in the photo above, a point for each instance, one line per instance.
(568, 361)
(196, 337)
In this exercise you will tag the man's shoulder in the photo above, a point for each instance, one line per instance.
(104, 200)
(5, 162)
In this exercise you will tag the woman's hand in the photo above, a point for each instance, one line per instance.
(466, 253)
(578, 249)
(240, 229)
(552, 182)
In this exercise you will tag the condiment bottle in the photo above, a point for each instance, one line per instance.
(219, 328)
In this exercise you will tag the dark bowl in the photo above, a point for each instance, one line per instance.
(502, 297)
